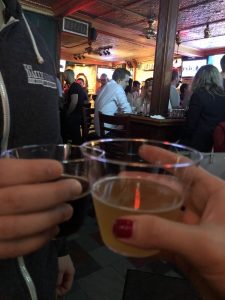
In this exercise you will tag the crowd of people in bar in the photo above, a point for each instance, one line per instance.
(202, 101)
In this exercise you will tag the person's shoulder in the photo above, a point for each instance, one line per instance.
(119, 91)
(198, 95)
(75, 86)
(111, 83)
(203, 97)
(172, 87)
(173, 90)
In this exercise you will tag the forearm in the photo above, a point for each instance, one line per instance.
(124, 105)
(73, 103)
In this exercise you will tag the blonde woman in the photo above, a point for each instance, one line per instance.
(143, 102)
(206, 109)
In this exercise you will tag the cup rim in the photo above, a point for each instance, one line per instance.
(11, 150)
(131, 209)
(167, 165)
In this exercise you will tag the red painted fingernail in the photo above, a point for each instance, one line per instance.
(123, 228)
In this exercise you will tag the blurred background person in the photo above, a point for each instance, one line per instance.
(144, 100)
(174, 96)
(81, 82)
(136, 89)
(128, 92)
(103, 80)
(75, 99)
(185, 95)
(222, 64)
(206, 109)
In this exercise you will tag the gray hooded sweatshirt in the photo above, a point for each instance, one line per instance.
(28, 115)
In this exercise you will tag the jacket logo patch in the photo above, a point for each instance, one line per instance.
(40, 78)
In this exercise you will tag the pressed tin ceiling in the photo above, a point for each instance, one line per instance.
(122, 23)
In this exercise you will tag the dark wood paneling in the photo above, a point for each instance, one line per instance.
(145, 127)
(168, 14)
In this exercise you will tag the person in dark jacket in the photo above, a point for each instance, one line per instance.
(75, 99)
(222, 64)
(206, 109)
(29, 114)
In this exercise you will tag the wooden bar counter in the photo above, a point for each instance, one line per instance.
(158, 129)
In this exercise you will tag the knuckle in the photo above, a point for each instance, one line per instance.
(67, 189)
(9, 227)
(60, 214)
(152, 233)
(52, 168)
(10, 200)
(8, 250)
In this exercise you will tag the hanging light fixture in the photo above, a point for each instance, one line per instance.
(177, 63)
(178, 40)
(207, 32)
(150, 30)
(90, 50)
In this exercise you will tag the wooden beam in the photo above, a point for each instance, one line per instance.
(214, 51)
(68, 7)
(165, 43)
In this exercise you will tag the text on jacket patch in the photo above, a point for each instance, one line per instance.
(38, 77)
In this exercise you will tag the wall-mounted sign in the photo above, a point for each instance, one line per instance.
(190, 67)
(148, 66)
(62, 65)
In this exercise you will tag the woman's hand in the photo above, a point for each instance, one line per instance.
(197, 245)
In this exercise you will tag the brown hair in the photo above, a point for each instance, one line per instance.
(120, 74)
(209, 78)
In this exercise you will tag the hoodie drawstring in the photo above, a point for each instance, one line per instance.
(39, 57)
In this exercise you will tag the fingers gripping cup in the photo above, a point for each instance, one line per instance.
(124, 183)
(75, 167)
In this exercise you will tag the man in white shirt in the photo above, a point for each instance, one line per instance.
(112, 99)
(174, 96)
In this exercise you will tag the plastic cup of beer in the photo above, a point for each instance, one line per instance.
(123, 183)
(75, 167)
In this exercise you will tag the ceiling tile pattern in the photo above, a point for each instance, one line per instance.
(203, 13)
(188, 3)
(194, 16)
(122, 23)
(126, 14)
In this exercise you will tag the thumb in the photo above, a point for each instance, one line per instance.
(151, 232)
